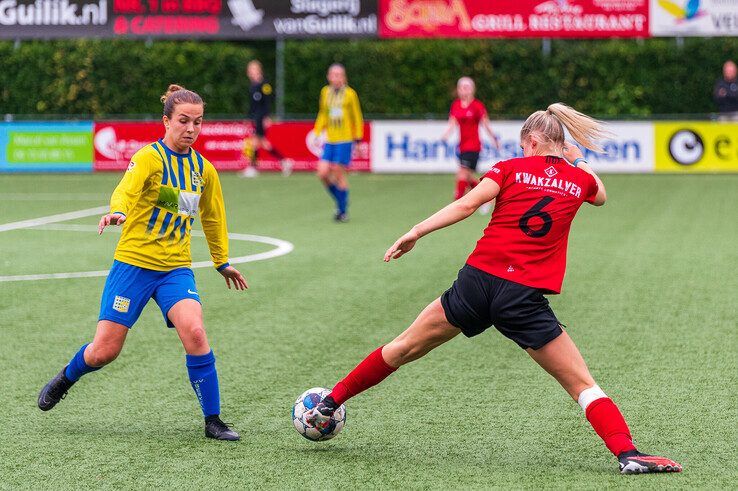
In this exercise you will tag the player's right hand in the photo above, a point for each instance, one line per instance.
(402, 246)
(110, 219)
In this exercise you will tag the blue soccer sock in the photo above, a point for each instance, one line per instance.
(204, 380)
(77, 365)
(342, 200)
(334, 191)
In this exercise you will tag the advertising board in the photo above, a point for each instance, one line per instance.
(513, 18)
(416, 146)
(46, 147)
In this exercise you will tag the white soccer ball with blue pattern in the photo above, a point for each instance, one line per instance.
(307, 401)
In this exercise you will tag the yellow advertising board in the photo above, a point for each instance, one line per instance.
(696, 146)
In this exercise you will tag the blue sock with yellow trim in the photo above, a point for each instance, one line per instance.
(204, 380)
(77, 365)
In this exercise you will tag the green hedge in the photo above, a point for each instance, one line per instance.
(393, 78)
(121, 77)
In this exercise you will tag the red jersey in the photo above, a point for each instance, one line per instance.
(526, 238)
(468, 118)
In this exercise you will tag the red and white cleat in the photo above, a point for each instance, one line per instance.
(634, 462)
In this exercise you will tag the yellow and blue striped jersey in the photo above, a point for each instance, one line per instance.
(339, 114)
(161, 193)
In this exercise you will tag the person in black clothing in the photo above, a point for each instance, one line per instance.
(725, 93)
(261, 96)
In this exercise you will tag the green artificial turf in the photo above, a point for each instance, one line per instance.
(650, 298)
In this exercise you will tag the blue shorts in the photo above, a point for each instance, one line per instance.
(129, 288)
(338, 153)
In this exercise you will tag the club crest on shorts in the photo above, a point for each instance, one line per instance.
(550, 171)
(121, 304)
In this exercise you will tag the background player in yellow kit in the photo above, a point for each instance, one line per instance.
(339, 115)
(166, 186)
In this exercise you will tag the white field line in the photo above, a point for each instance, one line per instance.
(62, 197)
(53, 218)
(282, 247)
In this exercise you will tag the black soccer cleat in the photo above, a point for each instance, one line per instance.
(54, 391)
(218, 430)
(341, 217)
(635, 462)
(320, 416)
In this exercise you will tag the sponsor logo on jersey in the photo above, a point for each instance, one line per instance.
(121, 304)
(168, 199)
(189, 203)
(547, 182)
(550, 171)
(131, 165)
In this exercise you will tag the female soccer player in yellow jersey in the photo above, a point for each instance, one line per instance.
(166, 185)
(339, 115)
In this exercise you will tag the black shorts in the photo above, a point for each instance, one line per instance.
(478, 300)
(469, 160)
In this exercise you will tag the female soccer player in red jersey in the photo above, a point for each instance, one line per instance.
(520, 258)
(467, 113)
(166, 186)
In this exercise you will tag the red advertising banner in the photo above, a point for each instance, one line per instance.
(222, 143)
(296, 141)
(513, 18)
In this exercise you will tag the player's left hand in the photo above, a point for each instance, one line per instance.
(232, 274)
(402, 246)
(572, 152)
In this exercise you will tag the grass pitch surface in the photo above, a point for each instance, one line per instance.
(649, 298)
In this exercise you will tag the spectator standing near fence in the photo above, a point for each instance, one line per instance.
(725, 93)
(261, 96)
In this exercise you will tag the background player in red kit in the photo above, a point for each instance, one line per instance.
(468, 113)
(520, 257)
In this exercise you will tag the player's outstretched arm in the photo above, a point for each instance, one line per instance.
(110, 219)
(460, 209)
(231, 274)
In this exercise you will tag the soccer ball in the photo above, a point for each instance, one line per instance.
(308, 400)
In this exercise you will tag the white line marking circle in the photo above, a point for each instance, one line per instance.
(282, 247)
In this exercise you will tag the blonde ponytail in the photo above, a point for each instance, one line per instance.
(585, 130)
(548, 126)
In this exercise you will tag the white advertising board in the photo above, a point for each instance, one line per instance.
(694, 18)
(416, 147)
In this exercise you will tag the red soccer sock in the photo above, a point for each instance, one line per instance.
(608, 422)
(367, 374)
(460, 189)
